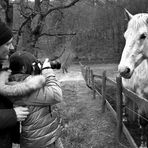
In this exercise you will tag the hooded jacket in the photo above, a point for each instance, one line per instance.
(42, 126)
(9, 128)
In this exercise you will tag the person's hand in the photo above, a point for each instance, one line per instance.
(46, 63)
(21, 113)
(4, 75)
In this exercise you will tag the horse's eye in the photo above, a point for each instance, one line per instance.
(143, 36)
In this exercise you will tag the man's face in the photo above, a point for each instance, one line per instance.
(4, 50)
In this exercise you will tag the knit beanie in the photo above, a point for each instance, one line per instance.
(5, 33)
(21, 59)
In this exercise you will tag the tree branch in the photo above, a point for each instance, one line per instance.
(56, 34)
(22, 25)
(61, 7)
(23, 14)
(57, 10)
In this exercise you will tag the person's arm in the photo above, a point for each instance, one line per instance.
(51, 93)
(52, 89)
(20, 88)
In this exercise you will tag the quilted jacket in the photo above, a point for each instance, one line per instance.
(42, 126)
(9, 128)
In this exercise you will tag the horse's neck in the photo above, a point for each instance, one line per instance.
(139, 77)
(139, 84)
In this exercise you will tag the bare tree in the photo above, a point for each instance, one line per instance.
(33, 26)
(40, 15)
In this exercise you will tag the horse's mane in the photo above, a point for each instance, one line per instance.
(138, 20)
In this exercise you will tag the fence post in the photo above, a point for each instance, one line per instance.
(89, 76)
(103, 91)
(93, 84)
(86, 75)
(119, 106)
(134, 109)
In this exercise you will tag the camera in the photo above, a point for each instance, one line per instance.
(37, 66)
(54, 64)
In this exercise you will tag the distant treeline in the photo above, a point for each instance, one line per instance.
(99, 26)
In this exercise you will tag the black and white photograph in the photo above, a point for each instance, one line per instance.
(73, 73)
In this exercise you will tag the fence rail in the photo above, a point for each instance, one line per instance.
(89, 78)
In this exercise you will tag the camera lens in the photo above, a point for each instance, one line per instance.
(55, 65)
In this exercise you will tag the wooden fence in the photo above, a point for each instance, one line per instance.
(90, 78)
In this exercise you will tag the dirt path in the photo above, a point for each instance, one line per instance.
(85, 125)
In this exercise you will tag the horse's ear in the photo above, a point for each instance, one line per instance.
(128, 14)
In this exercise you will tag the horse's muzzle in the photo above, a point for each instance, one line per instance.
(125, 72)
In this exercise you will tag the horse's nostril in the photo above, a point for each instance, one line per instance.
(127, 70)
(124, 71)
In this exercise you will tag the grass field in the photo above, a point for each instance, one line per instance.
(85, 125)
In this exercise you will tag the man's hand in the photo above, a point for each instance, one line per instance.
(21, 113)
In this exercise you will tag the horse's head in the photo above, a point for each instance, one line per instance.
(136, 46)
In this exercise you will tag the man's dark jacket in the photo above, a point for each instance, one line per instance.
(9, 128)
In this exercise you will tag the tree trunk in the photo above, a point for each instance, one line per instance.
(9, 15)
(8, 8)
(27, 32)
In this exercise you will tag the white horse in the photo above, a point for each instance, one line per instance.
(133, 65)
